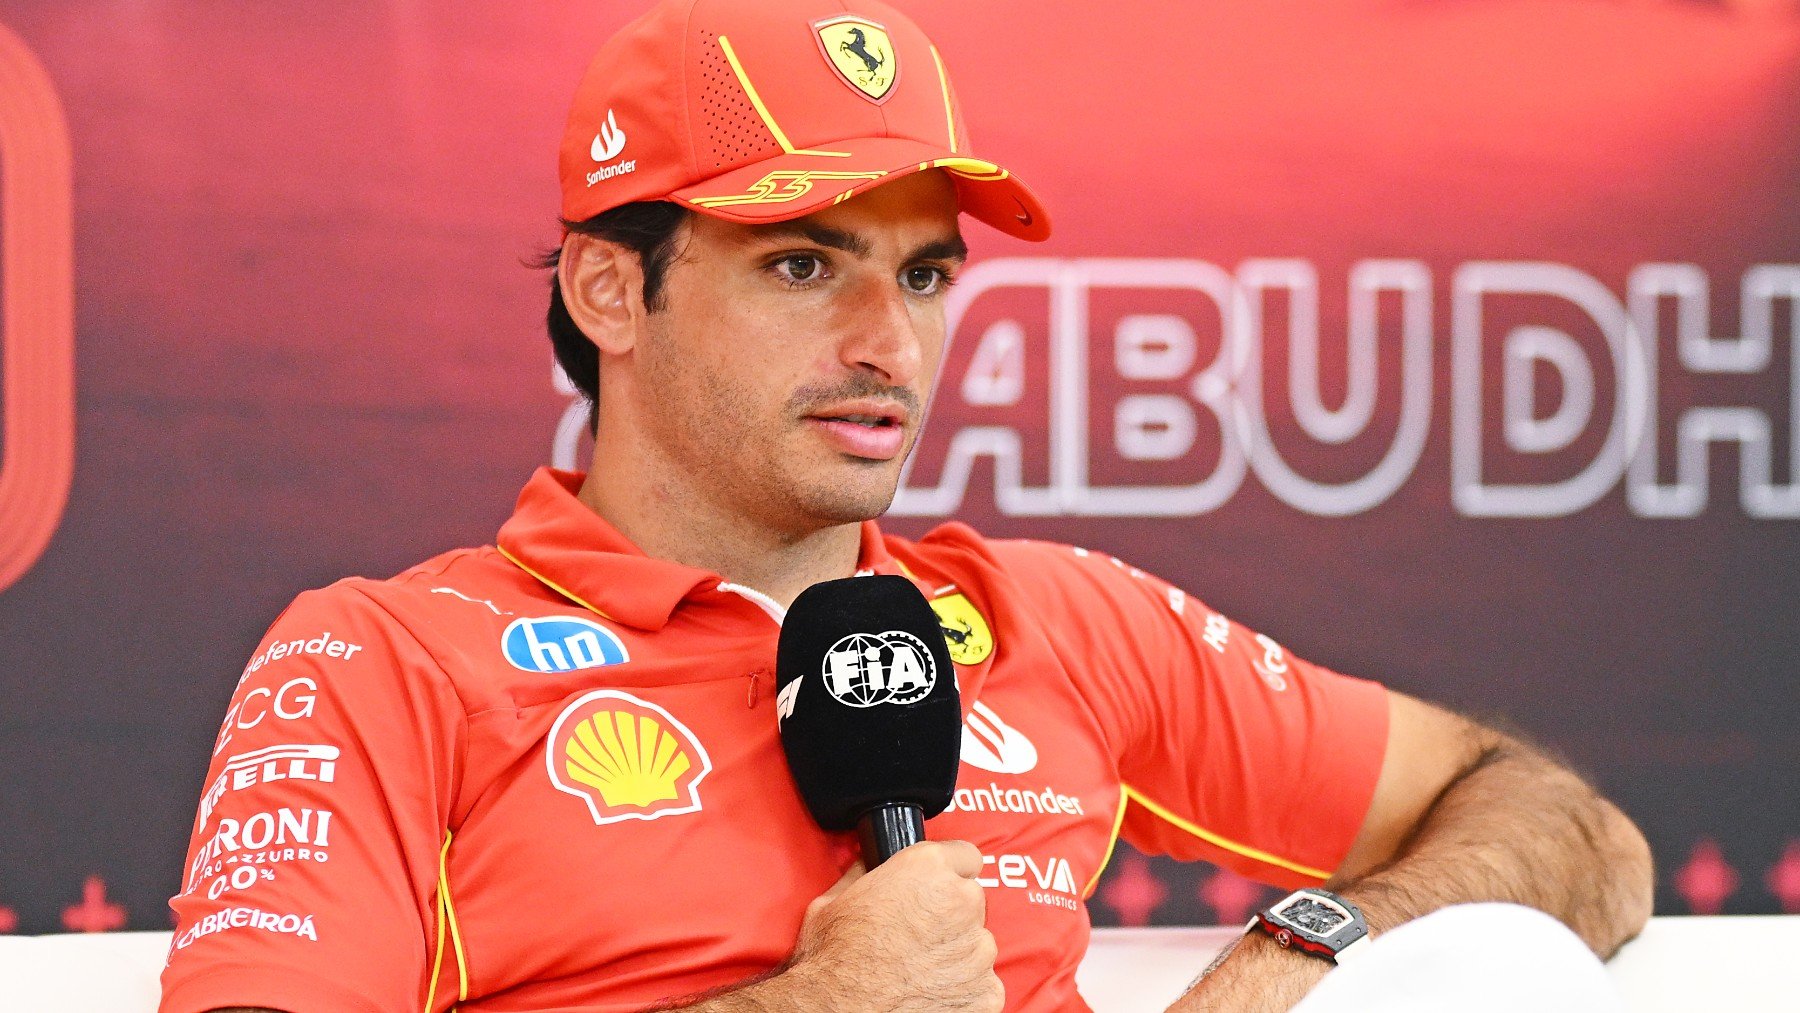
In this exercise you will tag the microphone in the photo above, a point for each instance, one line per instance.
(871, 720)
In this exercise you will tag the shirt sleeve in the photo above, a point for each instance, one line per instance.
(1229, 748)
(310, 880)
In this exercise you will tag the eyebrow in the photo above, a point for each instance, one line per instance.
(944, 249)
(831, 238)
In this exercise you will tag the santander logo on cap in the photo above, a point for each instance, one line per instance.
(608, 143)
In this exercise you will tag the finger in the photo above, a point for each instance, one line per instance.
(851, 875)
(963, 858)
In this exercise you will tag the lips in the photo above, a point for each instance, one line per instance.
(867, 421)
(867, 430)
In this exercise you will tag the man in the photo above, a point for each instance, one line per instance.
(545, 774)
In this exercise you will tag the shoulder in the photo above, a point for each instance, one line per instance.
(958, 547)
(438, 594)
(1059, 585)
(433, 615)
(409, 643)
(959, 553)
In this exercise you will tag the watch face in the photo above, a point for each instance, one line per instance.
(1315, 922)
(1314, 915)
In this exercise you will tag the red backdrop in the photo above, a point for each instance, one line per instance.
(1452, 344)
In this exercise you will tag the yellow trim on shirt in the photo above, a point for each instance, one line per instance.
(437, 959)
(1221, 842)
(553, 585)
(446, 911)
(1111, 843)
(462, 959)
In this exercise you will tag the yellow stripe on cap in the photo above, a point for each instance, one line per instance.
(969, 168)
(763, 110)
(781, 186)
(944, 86)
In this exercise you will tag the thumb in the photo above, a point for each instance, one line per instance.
(851, 875)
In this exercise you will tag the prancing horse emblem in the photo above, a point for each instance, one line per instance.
(858, 46)
(862, 54)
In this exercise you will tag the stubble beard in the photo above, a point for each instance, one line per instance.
(853, 502)
(866, 488)
(762, 464)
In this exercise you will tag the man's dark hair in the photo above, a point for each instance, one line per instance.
(648, 229)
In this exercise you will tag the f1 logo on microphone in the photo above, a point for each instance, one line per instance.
(37, 310)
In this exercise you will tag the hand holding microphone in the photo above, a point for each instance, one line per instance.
(871, 723)
(909, 935)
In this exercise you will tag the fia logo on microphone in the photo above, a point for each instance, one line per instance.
(867, 669)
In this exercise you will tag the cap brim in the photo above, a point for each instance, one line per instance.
(795, 184)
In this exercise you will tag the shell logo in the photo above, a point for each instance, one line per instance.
(627, 758)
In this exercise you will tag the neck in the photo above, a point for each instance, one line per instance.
(686, 526)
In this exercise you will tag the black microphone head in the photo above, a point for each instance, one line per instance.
(867, 699)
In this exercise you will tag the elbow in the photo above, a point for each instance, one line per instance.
(1633, 882)
(1642, 869)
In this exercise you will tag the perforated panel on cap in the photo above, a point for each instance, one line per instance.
(734, 133)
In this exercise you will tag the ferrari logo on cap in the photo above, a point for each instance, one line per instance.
(860, 51)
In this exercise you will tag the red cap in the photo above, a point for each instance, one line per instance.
(765, 110)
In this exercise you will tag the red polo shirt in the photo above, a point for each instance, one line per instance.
(545, 774)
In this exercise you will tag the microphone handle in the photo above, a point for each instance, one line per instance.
(887, 828)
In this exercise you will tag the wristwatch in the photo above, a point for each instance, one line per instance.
(1317, 922)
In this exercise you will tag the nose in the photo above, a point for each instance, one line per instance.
(884, 336)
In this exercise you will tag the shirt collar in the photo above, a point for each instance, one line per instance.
(561, 541)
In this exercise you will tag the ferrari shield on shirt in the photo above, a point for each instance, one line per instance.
(545, 773)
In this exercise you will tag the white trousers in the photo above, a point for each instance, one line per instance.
(1470, 958)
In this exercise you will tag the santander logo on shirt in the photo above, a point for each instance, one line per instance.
(991, 744)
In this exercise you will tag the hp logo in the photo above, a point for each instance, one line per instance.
(561, 644)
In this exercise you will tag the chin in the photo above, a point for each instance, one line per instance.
(844, 505)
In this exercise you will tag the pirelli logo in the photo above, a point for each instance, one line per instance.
(37, 315)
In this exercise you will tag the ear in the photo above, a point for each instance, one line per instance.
(603, 290)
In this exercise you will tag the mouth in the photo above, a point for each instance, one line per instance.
(868, 431)
(870, 413)
(866, 421)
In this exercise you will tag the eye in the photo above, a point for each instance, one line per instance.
(799, 268)
(924, 280)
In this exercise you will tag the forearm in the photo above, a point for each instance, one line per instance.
(1515, 827)
(1518, 827)
(784, 989)
(772, 993)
